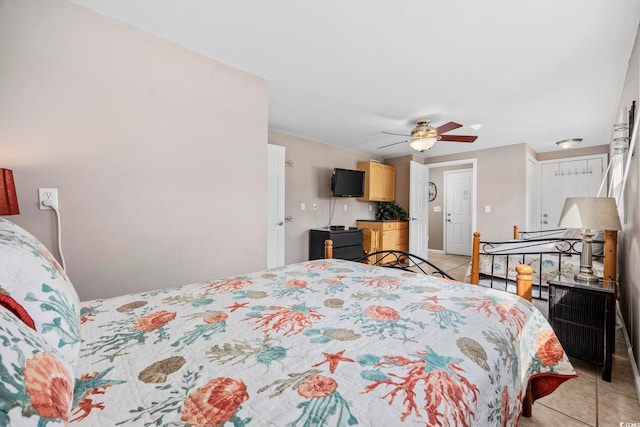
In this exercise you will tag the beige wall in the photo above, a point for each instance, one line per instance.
(158, 153)
(308, 181)
(629, 248)
(501, 183)
(501, 177)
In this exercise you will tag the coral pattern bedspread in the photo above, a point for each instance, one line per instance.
(321, 343)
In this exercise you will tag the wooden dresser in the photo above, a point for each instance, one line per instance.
(391, 234)
(347, 244)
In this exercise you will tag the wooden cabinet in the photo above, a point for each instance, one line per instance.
(391, 235)
(379, 182)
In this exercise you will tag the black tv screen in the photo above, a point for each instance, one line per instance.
(347, 183)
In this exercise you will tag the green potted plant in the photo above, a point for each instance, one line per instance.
(390, 210)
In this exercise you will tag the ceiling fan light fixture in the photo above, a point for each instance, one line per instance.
(566, 144)
(424, 130)
(423, 144)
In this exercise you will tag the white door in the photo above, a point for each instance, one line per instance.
(275, 206)
(560, 179)
(419, 209)
(458, 187)
(533, 195)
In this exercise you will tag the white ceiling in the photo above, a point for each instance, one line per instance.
(343, 71)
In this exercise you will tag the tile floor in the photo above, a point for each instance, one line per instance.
(579, 402)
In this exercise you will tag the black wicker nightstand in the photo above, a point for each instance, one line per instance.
(583, 317)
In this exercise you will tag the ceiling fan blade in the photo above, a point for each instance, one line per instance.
(447, 127)
(395, 143)
(458, 138)
(393, 133)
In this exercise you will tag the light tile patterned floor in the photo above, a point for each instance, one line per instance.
(583, 401)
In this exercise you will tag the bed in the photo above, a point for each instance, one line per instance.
(319, 343)
(548, 252)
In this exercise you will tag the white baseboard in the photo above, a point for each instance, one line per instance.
(632, 359)
(436, 251)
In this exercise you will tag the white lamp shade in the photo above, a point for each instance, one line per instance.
(598, 213)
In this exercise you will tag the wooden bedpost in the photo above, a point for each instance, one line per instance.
(516, 232)
(328, 249)
(475, 259)
(610, 255)
(523, 281)
(523, 289)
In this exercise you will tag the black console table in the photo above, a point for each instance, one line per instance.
(347, 244)
(583, 317)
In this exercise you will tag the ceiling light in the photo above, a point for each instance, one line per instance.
(476, 126)
(565, 144)
(424, 130)
(423, 144)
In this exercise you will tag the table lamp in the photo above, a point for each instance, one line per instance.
(589, 213)
(8, 196)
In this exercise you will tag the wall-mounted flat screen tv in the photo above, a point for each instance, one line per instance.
(347, 183)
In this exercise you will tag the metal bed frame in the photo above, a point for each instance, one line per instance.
(562, 248)
(404, 261)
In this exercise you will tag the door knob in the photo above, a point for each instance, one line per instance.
(280, 223)
(288, 218)
(413, 219)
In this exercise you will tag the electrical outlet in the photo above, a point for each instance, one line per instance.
(48, 196)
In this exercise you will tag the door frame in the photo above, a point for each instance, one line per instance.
(473, 162)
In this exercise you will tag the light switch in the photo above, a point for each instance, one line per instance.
(487, 208)
(345, 208)
(437, 208)
(302, 206)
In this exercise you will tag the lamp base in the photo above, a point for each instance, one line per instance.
(586, 277)
(585, 274)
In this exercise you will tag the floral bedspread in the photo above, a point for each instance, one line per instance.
(319, 343)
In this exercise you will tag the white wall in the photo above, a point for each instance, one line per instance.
(158, 153)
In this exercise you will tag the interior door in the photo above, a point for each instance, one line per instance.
(275, 206)
(419, 209)
(533, 195)
(560, 179)
(458, 187)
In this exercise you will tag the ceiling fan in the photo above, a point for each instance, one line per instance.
(424, 135)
